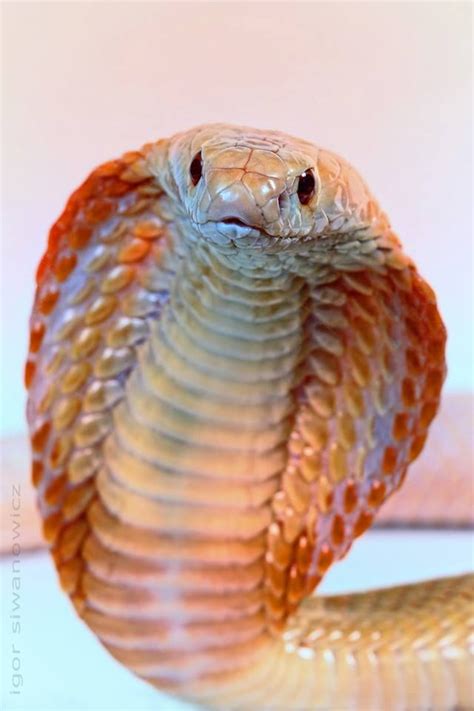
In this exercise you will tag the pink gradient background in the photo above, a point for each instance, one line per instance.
(386, 85)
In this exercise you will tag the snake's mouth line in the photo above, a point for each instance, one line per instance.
(237, 221)
(245, 229)
(248, 229)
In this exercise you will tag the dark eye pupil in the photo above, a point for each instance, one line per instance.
(306, 185)
(196, 168)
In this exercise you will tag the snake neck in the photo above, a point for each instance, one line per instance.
(196, 454)
(176, 582)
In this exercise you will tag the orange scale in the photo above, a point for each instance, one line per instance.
(329, 499)
(78, 500)
(48, 300)
(428, 413)
(275, 607)
(69, 576)
(147, 230)
(99, 210)
(326, 557)
(134, 251)
(362, 524)
(377, 493)
(433, 384)
(414, 330)
(64, 266)
(432, 317)
(52, 526)
(275, 578)
(408, 392)
(350, 497)
(37, 471)
(30, 371)
(416, 446)
(70, 212)
(400, 428)
(55, 235)
(116, 188)
(43, 267)
(55, 491)
(72, 535)
(436, 350)
(389, 461)
(304, 554)
(109, 169)
(79, 237)
(40, 436)
(85, 191)
(60, 451)
(36, 336)
(132, 156)
(295, 586)
(413, 362)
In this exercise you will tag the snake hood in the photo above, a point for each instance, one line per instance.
(232, 364)
(263, 189)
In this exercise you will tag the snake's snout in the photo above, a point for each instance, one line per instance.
(245, 198)
(251, 184)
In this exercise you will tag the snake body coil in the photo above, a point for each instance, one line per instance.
(232, 364)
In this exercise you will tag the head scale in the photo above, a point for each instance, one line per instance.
(253, 187)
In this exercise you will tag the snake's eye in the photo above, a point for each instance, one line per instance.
(306, 185)
(196, 168)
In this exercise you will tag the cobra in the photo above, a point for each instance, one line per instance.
(232, 364)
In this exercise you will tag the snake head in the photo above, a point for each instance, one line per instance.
(253, 188)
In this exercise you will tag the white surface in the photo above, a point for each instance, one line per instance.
(387, 85)
(64, 668)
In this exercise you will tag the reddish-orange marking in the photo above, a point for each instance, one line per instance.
(52, 525)
(295, 586)
(428, 412)
(350, 496)
(408, 392)
(413, 362)
(99, 210)
(325, 558)
(377, 493)
(40, 436)
(400, 428)
(30, 370)
(116, 188)
(36, 336)
(134, 251)
(147, 230)
(42, 268)
(389, 461)
(362, 523)
(416, 446)
(64, 266)
(48, 300)
(433, 384)
(79, 237)
(303, 555)
(55, 491)
(37, 471)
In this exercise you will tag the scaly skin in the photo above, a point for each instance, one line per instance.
(225, 384)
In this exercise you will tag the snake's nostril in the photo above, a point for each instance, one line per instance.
(283, 201)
